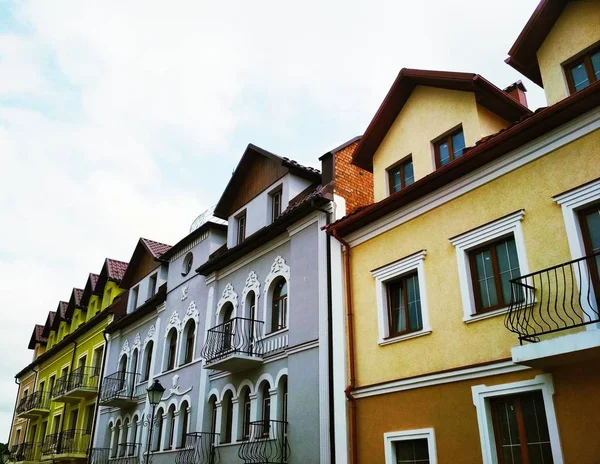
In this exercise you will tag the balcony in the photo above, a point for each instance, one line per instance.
(121, 390)
(80, 384)
(268, 443)
(35, 405)
(98, 456)
(555, 310)
(69, 445)
(199, 449)
(234, 345)
(27, 452)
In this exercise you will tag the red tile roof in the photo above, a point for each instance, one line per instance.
(94, 280)
(62, 308)
(37, 337)
(116, 269)
(157, 249)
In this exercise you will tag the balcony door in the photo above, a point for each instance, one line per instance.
(228, 328)
(589, 219)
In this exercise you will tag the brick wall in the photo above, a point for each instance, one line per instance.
(352, 183)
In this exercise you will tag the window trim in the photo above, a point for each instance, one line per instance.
(481, 395)
(585, 56)
(446, 137)
(241, 215)
(475, 238)
(400, 164)
(402, 279)
(390, 438)
(391, 272)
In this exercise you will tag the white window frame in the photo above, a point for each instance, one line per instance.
(390, 272)
(503, 227)
(390, 438)
(483, 393)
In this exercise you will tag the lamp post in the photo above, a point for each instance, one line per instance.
(155, 392)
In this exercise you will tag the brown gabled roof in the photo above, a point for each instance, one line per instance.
(74, 303)
(156, 249)
(123, 319)
(61, 315)
(144, 247)
(112, 270)
(306, 172)
(486, 94)
(89, 289)
(485, 151)
(48, 324)
(37, 337)
(523, 53)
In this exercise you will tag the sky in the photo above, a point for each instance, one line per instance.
(121, 119)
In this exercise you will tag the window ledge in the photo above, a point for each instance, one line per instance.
(275, 334)
(486, 315)
(408, 336)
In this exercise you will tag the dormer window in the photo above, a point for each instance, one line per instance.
(241, 227)
(275, 205)
(401, 175)
(152, 286)
(134, 298)
(449, 147)
(584, 70)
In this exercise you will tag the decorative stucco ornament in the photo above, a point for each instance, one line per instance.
(184, 292)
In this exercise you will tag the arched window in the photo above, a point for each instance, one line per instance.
(116, 437)
(265, 409)
(189, 335)
(158, 430)
(183, 423)
(171, 427)
(147, 360)
(134, 363)
(122, 371)
(108, 437)
(171, 349)
(246, 409)
(282, 391)
(227, 417)
(227, 330)
(212, 408)
(134, 436)
(123, 440)
(279, 305)
(186, 266)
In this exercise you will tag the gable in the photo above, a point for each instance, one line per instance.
(144, 266)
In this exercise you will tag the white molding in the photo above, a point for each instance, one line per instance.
(279, 268)
(390, 438)
(463, 243)
(458, 375)
(408, 336)
(252, 285)
(304, 223)
(515, 159)
(228, 296)
(389, 272)
(481, 396)
(485, 315)
(174, 322)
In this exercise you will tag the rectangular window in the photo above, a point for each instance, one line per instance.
(492, 267)
(51, 381)
(449, 148)
(89, 417)
(266, 416)
(246, 429)
(133, 300)
(275, 205)
(583, 71)
(241, 228)
(152, 286)
(404, 305)
(589, 220)
(401, 175)
(412, 451)
(521, 429)
(410, 447)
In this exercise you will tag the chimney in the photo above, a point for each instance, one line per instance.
(517, 92)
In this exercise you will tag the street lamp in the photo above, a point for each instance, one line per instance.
(155, 392)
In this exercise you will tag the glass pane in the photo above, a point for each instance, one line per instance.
(508, 266)
(596, 65)
(396, 180)
(593, 225)
(580, 77)
(536, 428)
(444, 153)
(507, 430)
(414, 303)
(485, 279)
(458, 144)
(412, 451)
(409, 175)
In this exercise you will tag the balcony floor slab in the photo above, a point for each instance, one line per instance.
(235, 363)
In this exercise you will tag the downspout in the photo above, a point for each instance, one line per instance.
(14, 412)
(351, 354)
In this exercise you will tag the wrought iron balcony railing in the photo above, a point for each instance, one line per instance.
(558, 298)
(98, 456)
(268, 443)
(127, 453)
(27, 452)
(238, 336)
(73, 441)
(39, 400)
(121, 388)
(82, 378)
(199, 448)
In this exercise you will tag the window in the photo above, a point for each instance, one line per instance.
(187, 264)
(97, 359)
(404, 305)
(279, 305)
(184, 418)
(172, 349)
(266, 410)
(410, 447)
(241, 228)
(89, 417)
(449, 148)
(247, 405)
(228, 417)
(402, 309)
(152, 286)
(73, 419)
(171, 422)
(122, 371)
(159, 429)
(401, 175)
(148, 359)
(51, 382)
(190, 337)
(589, 219)
(108, 297)
(133, 300)
(583, 71)
(492, 268)
(275, 205)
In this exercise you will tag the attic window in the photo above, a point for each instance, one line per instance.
(449, 147)
(584, 70)
(275, 205)
(187, 264)
(401, 175)
(241, 227)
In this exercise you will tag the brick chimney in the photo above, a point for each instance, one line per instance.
(517, 91)
(348, 181)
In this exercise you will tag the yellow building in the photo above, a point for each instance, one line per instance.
(471, 285)
(60, 413)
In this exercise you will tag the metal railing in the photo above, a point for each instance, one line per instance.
(27, 452)
(83, 377)
(37, 400)
(127, 453)
(122, 386)
(558, 298)
(268, 443)
(98, 455)
(199, 448)
(73, 441)
(236, 336)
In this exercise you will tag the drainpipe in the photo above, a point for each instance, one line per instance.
(14, 412)
(351, 355)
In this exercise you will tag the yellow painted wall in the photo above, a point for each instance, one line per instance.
(26, 382)
(428, 113)
(453, 343)
(577, 28)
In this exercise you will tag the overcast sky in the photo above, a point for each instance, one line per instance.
(121, 119)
